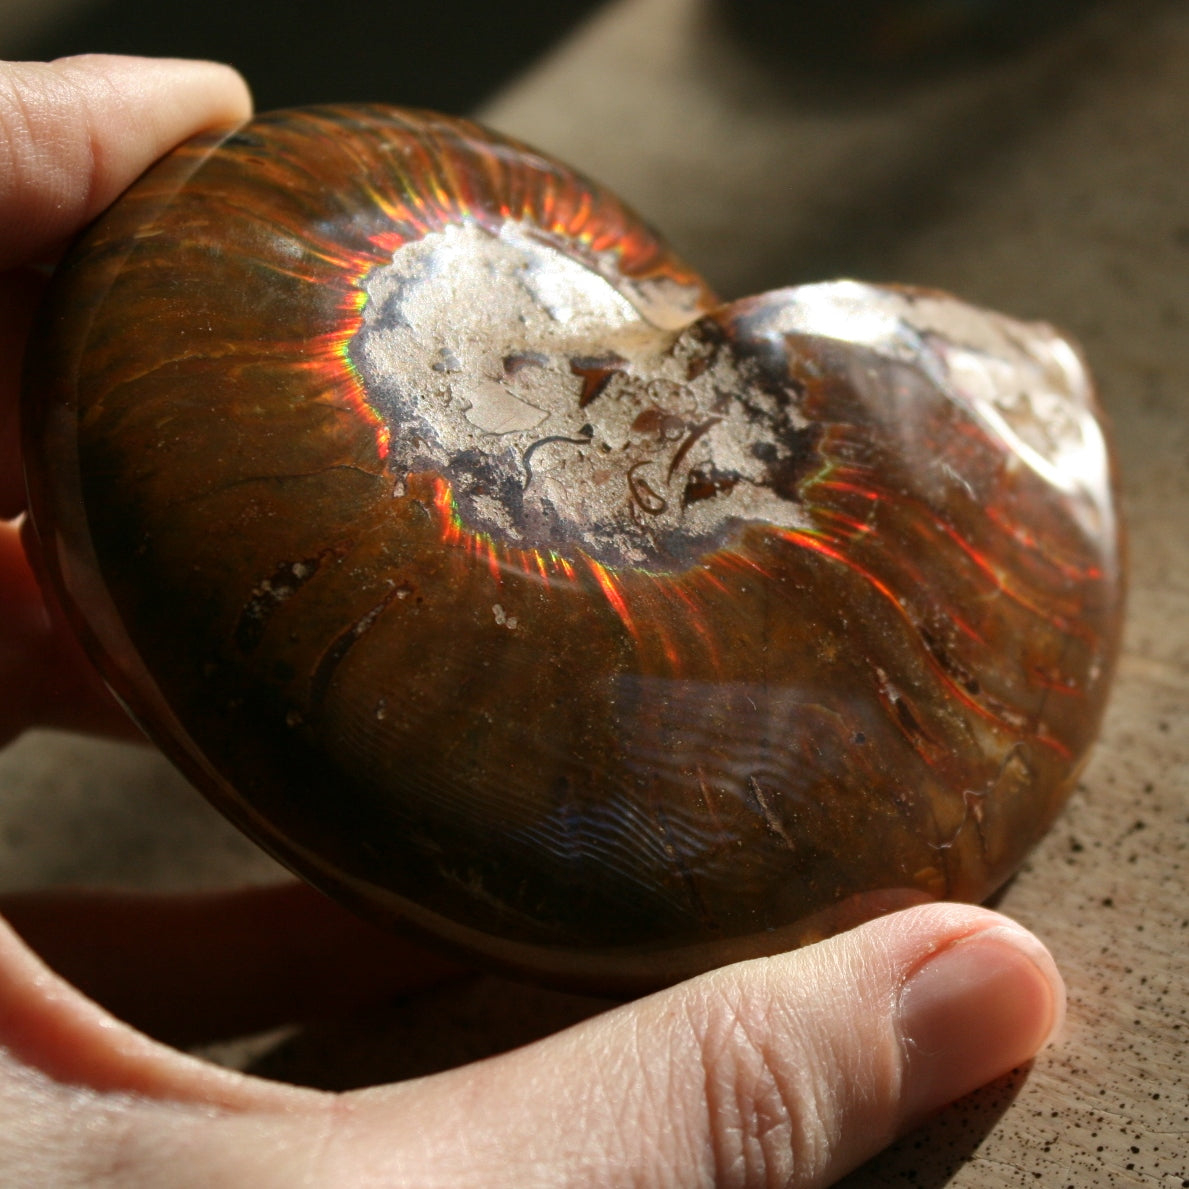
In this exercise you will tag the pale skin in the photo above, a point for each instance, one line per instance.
(785, 1071)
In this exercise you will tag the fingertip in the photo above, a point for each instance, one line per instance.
(971, 1011)
(215, 89)
(875, 1029)
(76, 132)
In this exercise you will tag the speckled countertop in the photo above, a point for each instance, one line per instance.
(1052, 183)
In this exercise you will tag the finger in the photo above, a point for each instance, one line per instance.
(45, 676)
(76, 132)
(201, 967)
(51, 1030)
(20, 291)
(786, 1071)
(73, 135)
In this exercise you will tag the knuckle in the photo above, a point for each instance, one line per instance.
(767, 1117)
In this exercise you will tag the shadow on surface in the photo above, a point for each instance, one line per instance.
(865, 48)
(422, 1034)
(928, 1157)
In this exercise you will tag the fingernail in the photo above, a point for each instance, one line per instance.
(973, 1011)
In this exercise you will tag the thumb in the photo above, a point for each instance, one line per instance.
(784, 1071)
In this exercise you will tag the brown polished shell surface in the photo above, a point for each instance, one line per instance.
(445, 530)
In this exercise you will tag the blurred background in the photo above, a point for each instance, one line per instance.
(444, 55)
(453, 53)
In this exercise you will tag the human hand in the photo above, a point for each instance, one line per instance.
(789, 1070)
(73, 135)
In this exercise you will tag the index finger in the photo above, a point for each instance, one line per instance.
(73, 135)
(76, 132)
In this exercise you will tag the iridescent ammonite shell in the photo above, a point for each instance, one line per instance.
(440, 525)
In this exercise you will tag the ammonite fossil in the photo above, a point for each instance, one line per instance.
(444, 529)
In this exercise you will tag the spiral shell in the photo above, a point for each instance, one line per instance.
(442, 527)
